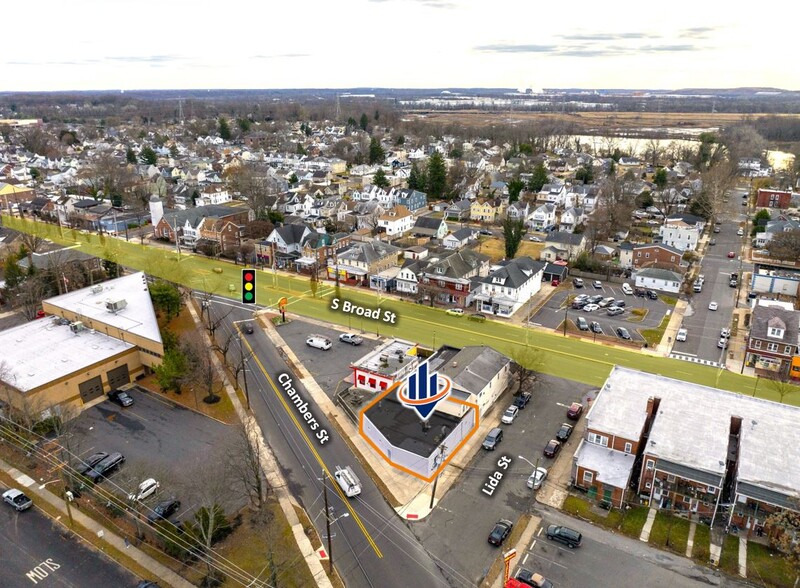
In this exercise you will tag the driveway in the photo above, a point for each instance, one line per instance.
(552, 313)
(456, 531)
(35, 551)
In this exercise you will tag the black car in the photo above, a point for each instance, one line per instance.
(530, 578)
(595, 299)
(552, 448)
(619, 303)
(87, 464)
(652, 295)
(565, 535)
(493, 439)
(105, 467)
(248, 328)
(564, 432)
(623, 333)
(485, 232)
(523, 399)
(501, 530)
(164, 509)
(120, 397)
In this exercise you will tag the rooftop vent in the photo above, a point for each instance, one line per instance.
(97, 289)
(76, 327)
(115, 306)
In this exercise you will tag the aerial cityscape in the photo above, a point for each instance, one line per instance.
(511, 308)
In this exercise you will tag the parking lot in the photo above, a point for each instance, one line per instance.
(159, 440)
(328, 367)
(552, 314)
(462, 540)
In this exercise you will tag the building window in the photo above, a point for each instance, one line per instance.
(588, 477)
(711, 489)
(648, 485)
(757, 344)
(598, 439)
(459, 287)
(670, 478)
(650, 464)
(647, 256)
(628, 447)
(787, 350)
(772, 346)
(672, 258)
(774, 332)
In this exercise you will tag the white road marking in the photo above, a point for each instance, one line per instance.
(525, 559)
(555, 563)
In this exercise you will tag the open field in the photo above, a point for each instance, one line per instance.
(576, 359)
(593, 120)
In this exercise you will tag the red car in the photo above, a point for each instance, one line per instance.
(731, 255)
(575, 411)
(552, 448)
(555, 282)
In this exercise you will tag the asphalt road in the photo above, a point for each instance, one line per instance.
(551, 315)
(372, 546)
(600, 560)
(36, 552)
(458, 528)
(704, 325)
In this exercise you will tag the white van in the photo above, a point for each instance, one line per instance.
(626, 288)
(348, 481)
(319, 342)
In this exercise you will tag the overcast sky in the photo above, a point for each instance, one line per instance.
(149, 44)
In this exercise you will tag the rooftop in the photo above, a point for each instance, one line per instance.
(138, 316)
(613, 467)
(42, 351)
(385, 359)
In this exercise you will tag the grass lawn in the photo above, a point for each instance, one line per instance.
(769, 566)
(701, 547)
(582, 508)
(653, 336)
(634, 520)
(677, 534)
(729, 560)
(416, 322)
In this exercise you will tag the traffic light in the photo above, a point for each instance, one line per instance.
(249, 286)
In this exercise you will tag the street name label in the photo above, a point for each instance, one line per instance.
(376, 314)
(490, 485)
(301, 405)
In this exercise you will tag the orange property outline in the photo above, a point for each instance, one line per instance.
(473, 406)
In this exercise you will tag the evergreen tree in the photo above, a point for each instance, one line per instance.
(148, 156)
(376, 152)
(437, 175)
(130, 156)
(380, 179)
(538, 178)
(414, 179)
(224, 129)
(364, 122)
(244, 124)
(512, 231)
(584, 174)
(660, 178)
(515, 186)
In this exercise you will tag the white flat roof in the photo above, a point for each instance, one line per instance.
(612, 467)
(41, 351)
(693, 425)
(138, 317)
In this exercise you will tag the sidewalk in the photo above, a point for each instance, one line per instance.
(521, 547)
(157, 570)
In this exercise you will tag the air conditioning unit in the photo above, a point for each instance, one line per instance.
(116, 305)
(97, 289)
(76, 327)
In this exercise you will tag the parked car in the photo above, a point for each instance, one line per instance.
(716, 229)
(105, 467)
(455, 311)
(535, 239)
(555, 282)
(740, 232)
(319, 342)
(725, 332)
(248, 328)
(606, 302)
(595, 327)
(640, 292)
(582, 324)
(485, 232)
(478, 317)
(351, 338)
(565, 535)
(536, 478)
(733, 282)
(698, 286)
(574, 411)
(597, 284)
(552, 448)
(17, 499)
(88, 463)
(713, 305)
(164, 509)
(590, 307)
(493, 439)
(595, 299)
(626, 289)
(623, 333)
(620, 303)
(120, 397)
(712, 242)
(652, 295)
(500, 531)
(577, 282)
(731, 254)
(145, 489)
(510, 414)
(564, 432)
(752, 295)
(530, 578)
(614, 310)
(681, 336)
(578, 304)
(522, 400)
(722, 343)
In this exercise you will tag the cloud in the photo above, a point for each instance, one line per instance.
(282, 56)
(696, 32)
(588, 50)
(606, 36)
(150, 59)
(429, 3)
(510, 48)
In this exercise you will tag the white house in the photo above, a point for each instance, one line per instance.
(508, 286)
(571, 218)
(680, 236)
(554, 193)
(459, 238)
(396, 221)
(658, 279)
(543, 216)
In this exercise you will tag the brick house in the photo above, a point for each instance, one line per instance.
(446, 278)
(773, 341)
(655, 255)
(770, 198)
(224, 233)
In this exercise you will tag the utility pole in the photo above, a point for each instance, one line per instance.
(244, 367)
(438, 462)
(327, 520)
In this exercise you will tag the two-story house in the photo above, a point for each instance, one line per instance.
(458, 210)
(656, 255)
(519, 211)
(446, 278)
(412, 199)
(396, 221)
(485, 210)
(571, 218)
(771, 198)
(431, 227)
(560, 245)
(773, 228)
(358, 262)
(507, 287)
(682, 231)
(554, 193)
(283, 245)
(773, 340)
(225, 234)
(542, 217)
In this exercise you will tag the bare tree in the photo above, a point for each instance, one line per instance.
(201, 371)
(527, 361)
(667, 200)
(107, 175)
(783, 388)
(718, 180)
(258, 185)
(30, 293)
(614, 209)
(244, 459)
(653, 151)
(785, 245)
(36, 140)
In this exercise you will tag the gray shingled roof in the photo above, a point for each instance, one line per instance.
(198, 213)
(472, 368)
(369, 252)
(565, 238)
(515, 271)
(456, 264)
(762, 315)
